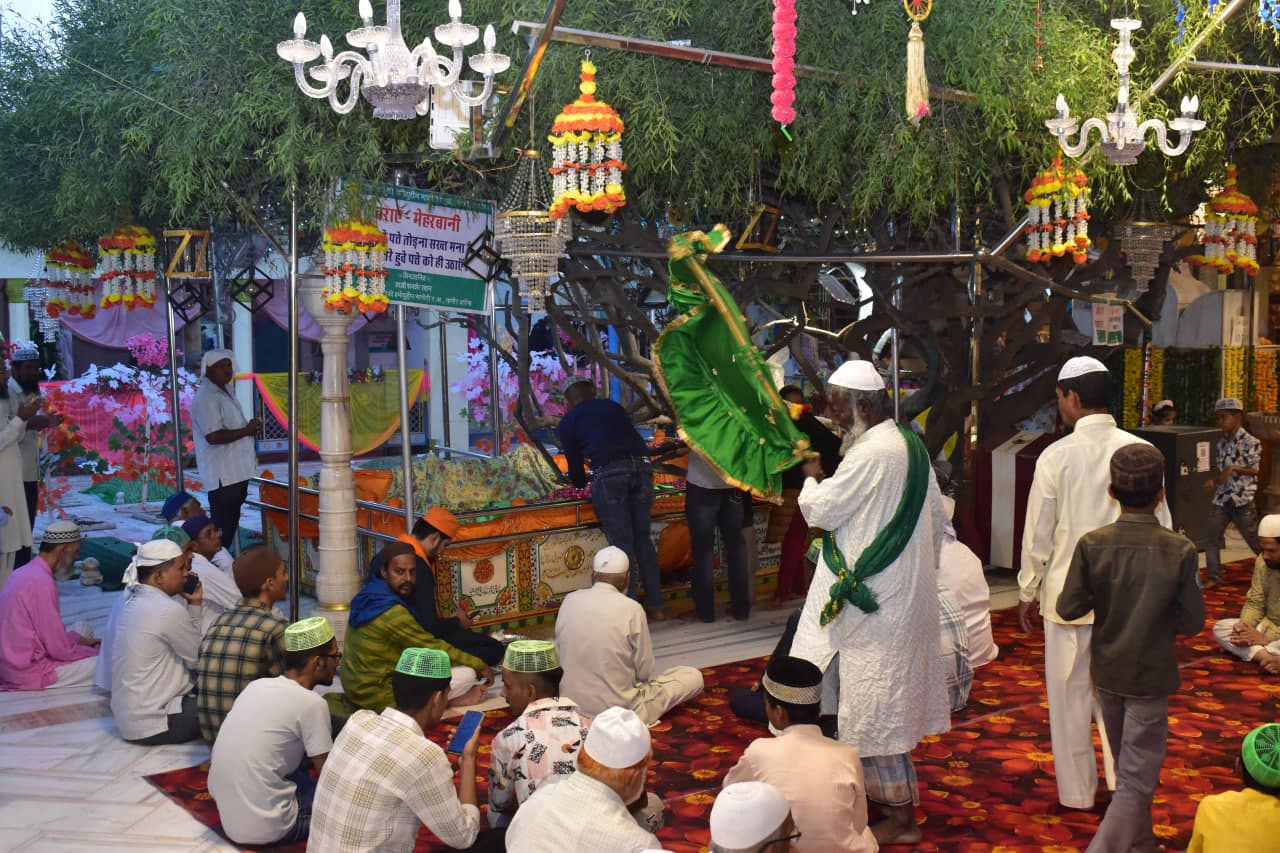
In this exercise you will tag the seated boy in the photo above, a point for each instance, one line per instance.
(1236, 821)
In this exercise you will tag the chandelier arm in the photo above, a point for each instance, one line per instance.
(300, 77)
(473, 100)
(342, 107)
(434, 68)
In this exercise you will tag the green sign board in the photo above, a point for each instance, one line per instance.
(428, 235)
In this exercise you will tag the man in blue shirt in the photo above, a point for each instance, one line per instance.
(601, 432)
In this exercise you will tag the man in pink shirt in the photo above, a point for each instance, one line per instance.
(36, 649)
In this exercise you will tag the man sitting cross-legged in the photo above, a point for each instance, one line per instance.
(245, 643)
(383, 623)
(156, 644)
(1255, 636)
(603, 641)
(276, 732)
(384, 778)
(541, 746)
(587, 812)
(820, 777)
(36, 649)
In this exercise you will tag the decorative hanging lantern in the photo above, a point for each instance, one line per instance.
(1142, 243)
(70, 281)
(586, 166)
(527, 234)
(1230, 231)
(1059, 215)
(355, 268)
(36, 293)
(129, 257)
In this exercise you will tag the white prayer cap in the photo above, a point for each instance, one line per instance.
(154, 553)
(611, 560)
(858, 375)
(1269, 526)
(1079, 366)
(61, 532)
(746, 813)
(214, 356)
(617, 738)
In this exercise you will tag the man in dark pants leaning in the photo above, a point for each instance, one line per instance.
(224, 439)
(622, 483)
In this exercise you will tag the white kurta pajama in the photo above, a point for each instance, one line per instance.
(893, 686)
(1069, 499)
(16, 533)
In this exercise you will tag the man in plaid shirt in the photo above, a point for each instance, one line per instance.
(384, 778)
(244, 643)
(1233, 487)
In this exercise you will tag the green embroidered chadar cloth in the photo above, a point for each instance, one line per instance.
(717, 380)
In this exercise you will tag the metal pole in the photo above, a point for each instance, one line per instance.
(897, 376)
(175, 397)
(295, 546)
(406, 451)
(1205, 65)
(445, 431)
(495, 389)
(215, 273)
(1190, 50)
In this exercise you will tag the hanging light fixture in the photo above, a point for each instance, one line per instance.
(1123, 133)
(527, 235)
(1142, 244)
(395, 79)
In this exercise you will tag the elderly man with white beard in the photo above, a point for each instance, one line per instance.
(873, 602)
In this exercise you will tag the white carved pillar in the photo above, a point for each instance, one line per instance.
(337, 572)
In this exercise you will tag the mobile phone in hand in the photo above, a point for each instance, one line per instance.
(190, 584)
(466, 728)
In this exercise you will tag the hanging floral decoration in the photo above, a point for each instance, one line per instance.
(129, 257)
(355, 268)
(1230, 231)
(1059, 215)
(69, 282)
(586, 154)
(784, 62)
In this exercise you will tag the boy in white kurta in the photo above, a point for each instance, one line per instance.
(893, 687)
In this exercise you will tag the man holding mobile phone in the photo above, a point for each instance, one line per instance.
(384, 778)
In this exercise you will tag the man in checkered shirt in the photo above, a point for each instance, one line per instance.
(244, 643)
(384, 778)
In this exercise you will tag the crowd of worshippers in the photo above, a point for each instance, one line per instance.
(360, 769)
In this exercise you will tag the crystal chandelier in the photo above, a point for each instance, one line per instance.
(1123, 134)
(1142, 243)
(395, 79)
(527, 235)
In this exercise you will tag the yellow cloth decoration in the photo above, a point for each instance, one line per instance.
(375, 407)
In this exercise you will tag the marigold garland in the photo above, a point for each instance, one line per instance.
(586, 159)
(784, 62)
(1059, 215)
(1264, 377)
(129, 256)
(355, 267)
(1230, 231)
(70, 283)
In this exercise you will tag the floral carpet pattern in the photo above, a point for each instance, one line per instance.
(987, 785)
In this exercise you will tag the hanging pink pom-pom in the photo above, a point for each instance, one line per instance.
(785, 81)
(783, 98)
(785, 31)
(784, 51)
(784, 115)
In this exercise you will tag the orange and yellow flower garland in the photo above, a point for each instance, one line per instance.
(355, 267)
(1059, 215)
(587, 166)
(1230, 231)
(129, 255)
(70, 281)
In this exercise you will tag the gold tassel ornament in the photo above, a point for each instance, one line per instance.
(917, 80)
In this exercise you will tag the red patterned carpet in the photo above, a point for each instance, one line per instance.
(987, 785)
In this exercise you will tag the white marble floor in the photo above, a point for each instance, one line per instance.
(69, 783)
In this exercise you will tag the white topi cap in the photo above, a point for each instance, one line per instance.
(214, 356)
(858, 375)
(610, 560)
(746, 813)
(156, 552)
(1269, 526)
(617, 738)
(1079, 366)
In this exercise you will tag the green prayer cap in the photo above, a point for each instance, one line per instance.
(531, 656)
(1260, 753)
(425, 663)
(174, 534)
(307, 634)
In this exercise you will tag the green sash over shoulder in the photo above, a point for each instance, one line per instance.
(888, 544)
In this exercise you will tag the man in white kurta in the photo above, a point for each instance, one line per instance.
(1068, 499)
(224, 443)
(893, 686)
(602, 638)
(15, 535)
